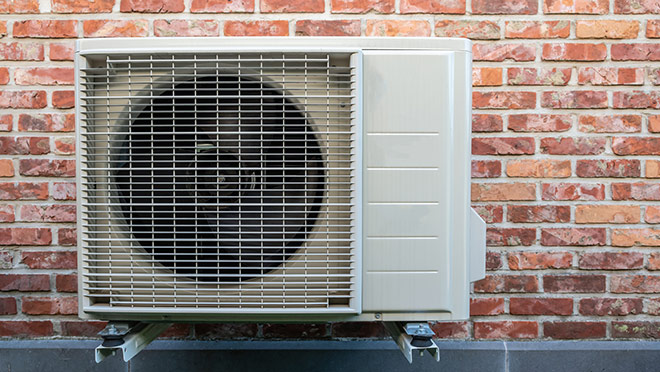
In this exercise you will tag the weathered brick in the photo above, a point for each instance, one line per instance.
(23, 190)
(574, 52)
(64, 191)
(636, 191)
(504, 7)
(636, 7)
(6, 259)
(576, 6)
(635, 329)
(49, 259)
(48, 213)
(45, 29)
(26, 99)
(21, 52)
(503, 191)
(292, 6)
(607, 214)
(573, 146)
(636, 145)
(19, 6)
(534, 76)
(226, 330)
(66, 283)
(451, 330)
(26, 328)
(606, 29)
(572, 236)
(296, 330)
(8, 306)
(539, 260)
(610, 123)
(64, 99)
(256, 28)
(6, 168)
(44, 76)
(654, 123)
(574, 330)
(82, 6)
(499, 52)
(4, 75)
(503, 146)
(486, 76)
(585, 99)
(46, 122)
(362, 6)
(328, 28)
(635, 284)
(574, 283)
(66, 236)
(186, 27)
(49, 305)
(486, 168)
(7, 213)
(610, 306)
(653, 28)
(493, 261)
(397, 28)
(24, 145)
(433, 6)
(503, 100)
(115, 28)
(653, 306)
(636, 99)
(486, 123)
(611, 75)
(608, 168)
(152, 6)
(486, 306)
(47, 167)
(611, 261)
(79, 328)
(65, 146)
(630, 237)
(635, 52)
(507, 284)
(510, 236)
(538, 213)
(6, 122)
(25, 236)
(222, 6)
(61, 51)
(539, 123)
(476, 30)
(652, 214)
(490, 213)
(541, 306)
(25, 282)
(537, 29)
(544, 168)
(509, 329)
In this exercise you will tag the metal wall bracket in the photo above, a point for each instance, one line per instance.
(129, 338)
(413, 337)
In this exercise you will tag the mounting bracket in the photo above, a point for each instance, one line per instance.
(128, 337)
(413, 336)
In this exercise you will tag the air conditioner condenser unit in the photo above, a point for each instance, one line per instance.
(275, 179)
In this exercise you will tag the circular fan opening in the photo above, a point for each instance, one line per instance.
(220, 179)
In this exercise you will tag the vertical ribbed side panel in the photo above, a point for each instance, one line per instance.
(219, 183)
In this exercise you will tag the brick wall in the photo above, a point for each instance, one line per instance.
(566, 143)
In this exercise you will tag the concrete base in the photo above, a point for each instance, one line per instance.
(318, 356)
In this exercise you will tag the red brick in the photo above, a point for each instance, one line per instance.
(510, 236)
(576, 6)
(476, 30)
(538, 168)
(25, 282)
(534, 76)
(328, 28)
(539, 123)
(506, 329)
(489, 213)
(23, 190)
(4, 75)
(46, 122)
(539, 260)
(636, 6)
(44, 76)
(66, 236)
(452, 330)
(3, 29)
(64, 191)
(654, 261)
(493, 261)
(222, 6)
(499, 52)
(47, 167)
(49, 305)
(538, 213)
(611, 76)
(503, 100)
(186, 27)
(608, 168)
(48, 213)
(65, 146)
(177, 331)
(653, 28)
(573, 146)
(8, 306)
(256, 28)
(25, 328)
(504, 7)
(610, 123)
(607, 214)
(6, 168)
(49, 259)
(636, 52)
(292, 6)
(654, 123)
(573, 236)
(611, 261)
(574, 283)
(486, 168)
(6, 259)
(78, 328)
(652, 214)
(21, 52)
(152, 6)
(19, 6)
(654, 78)
(503, 146)
(6, 122)
(296, 330)
(635, 284)
(636, 99)
(359, 330)
(486, 306)
(7, 213)
(630, 237)
(226, 330)
(362, 6)
(24, 145)
(433, 6)
(82, 6)
(115, 28)
(45, 28)
(25, 236)
(486, 123)
(29, 99)
(486, 76)
(574, 52)
(610, 306)
(61, 52)
(574, 330)
(584, 99)
(653, 306)
(503, 191)
(64, 99)
(635, 329)
(636, 191)
(507, 284)
(541, 306)
(537, 29)
(636, 145)
(66, 283)
(606, 29)
(397, 28)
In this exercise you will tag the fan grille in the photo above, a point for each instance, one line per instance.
(219, 182)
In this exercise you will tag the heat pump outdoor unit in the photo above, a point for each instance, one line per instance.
(275, 179)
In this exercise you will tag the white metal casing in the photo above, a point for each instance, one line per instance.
(421, 243)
